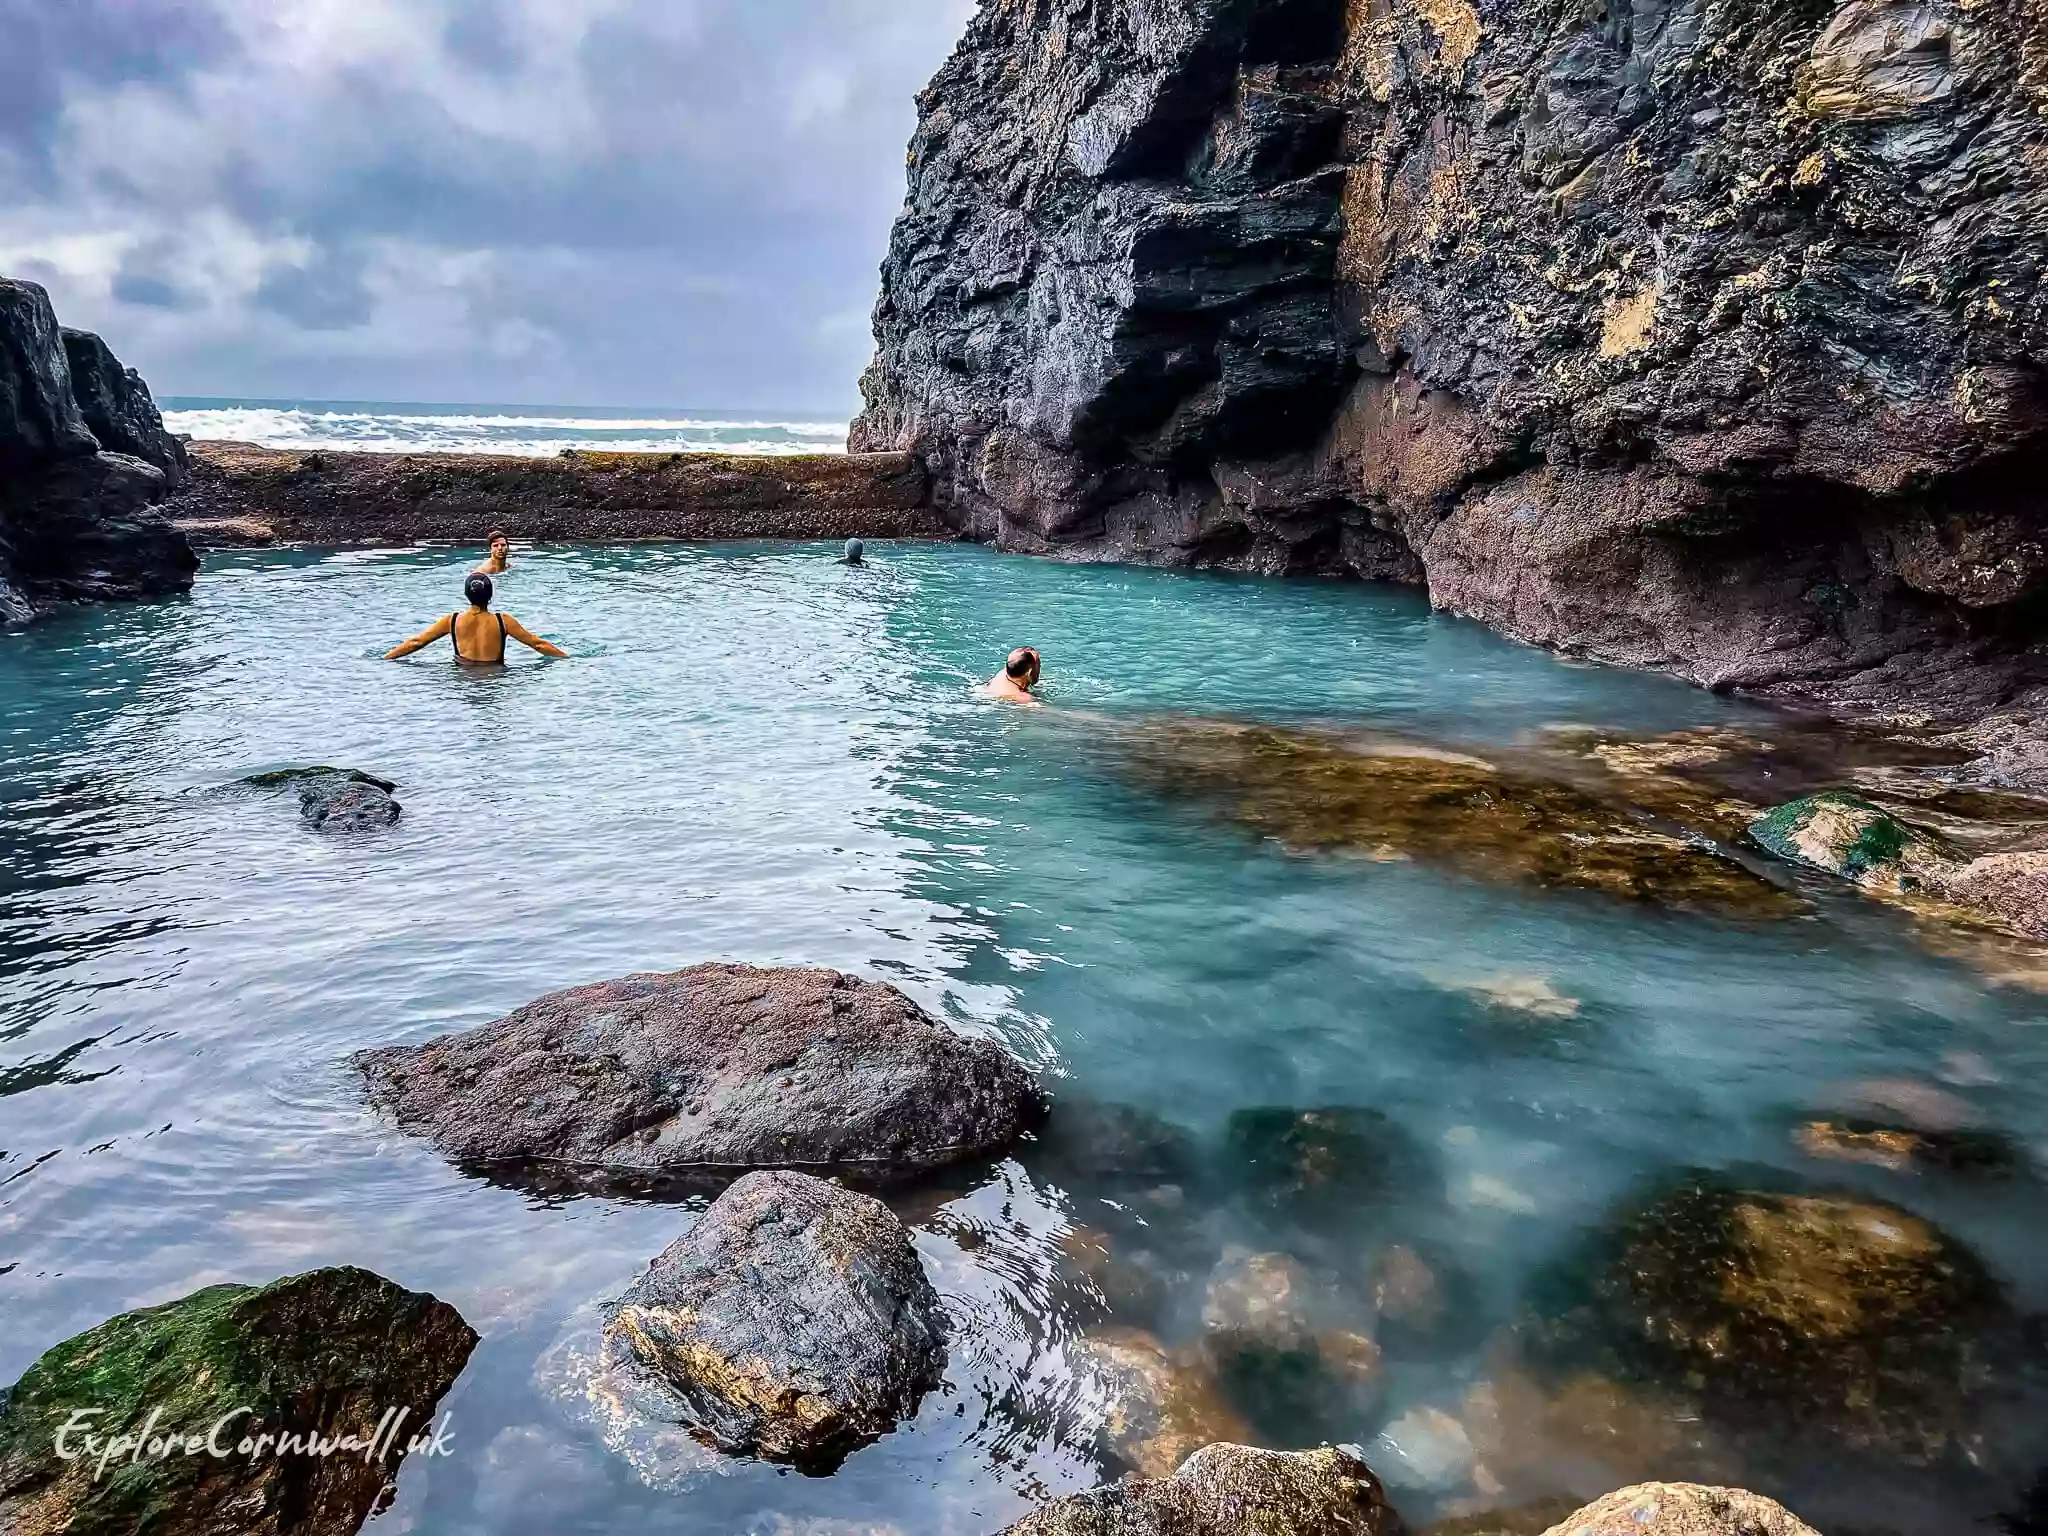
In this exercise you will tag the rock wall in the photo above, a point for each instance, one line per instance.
(84, 458)
(1699, 334)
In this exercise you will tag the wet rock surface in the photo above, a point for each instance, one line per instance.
(78, 519)
(1834, 1317)
(329, 1353)
(793, 1322)
(699, 1075)
(1157, 1405)
(1324, 1164)
(340, 803)
(1703, 336)
(1682, 1509)
(1391, 799)
(1230, 1490)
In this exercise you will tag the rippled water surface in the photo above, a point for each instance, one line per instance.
(760, 755)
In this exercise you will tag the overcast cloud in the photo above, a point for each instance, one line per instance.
(576, 202)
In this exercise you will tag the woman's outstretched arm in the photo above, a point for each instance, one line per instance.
(527, 637)
(424, 638)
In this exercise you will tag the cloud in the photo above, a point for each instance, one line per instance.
(660, 202)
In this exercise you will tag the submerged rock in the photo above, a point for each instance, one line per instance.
(338, 1353)
(1682, 1509)
(1836, 1317)
(347, 805)
(705, 1073)
(793, 1321)
(1284, 1344)
(1325, 792)
(282, 778)
(1230, 1490)
(1315, 1165)
(1157, 1406)
(1903, 1149)
(2009, 888)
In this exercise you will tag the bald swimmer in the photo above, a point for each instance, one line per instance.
(1014, 683)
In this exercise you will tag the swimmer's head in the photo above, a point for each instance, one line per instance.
(478, 590)
(1022, 667)
(500, 545)
(855, 550)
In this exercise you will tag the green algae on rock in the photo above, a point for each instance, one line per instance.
(1828, 1316)
(1230, 1490)
(337, 1353)
(1325, 791)
(1843, 834)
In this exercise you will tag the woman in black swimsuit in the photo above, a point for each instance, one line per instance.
(479, 635)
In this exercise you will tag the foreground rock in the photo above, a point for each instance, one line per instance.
(1682, 1509)
(1157, 1406)
(347, 805)
(706, 1073)
(1844, 1319)
(1389, 799)
(334, 1353)
(1230, 1490)
(241, 494)
(1544, 313)
(793, 1322)
(76, 510)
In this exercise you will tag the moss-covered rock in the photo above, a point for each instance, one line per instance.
(1843, 834)
(1827, 1316)
(335, 1354)
(291, 778)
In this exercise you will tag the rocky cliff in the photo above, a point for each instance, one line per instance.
(1699, 334)
(84, 457)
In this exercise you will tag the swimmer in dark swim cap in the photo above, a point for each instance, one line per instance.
(1014, 683)
(479, 635)
(856, 553)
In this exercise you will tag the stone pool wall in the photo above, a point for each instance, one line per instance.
(241, 494)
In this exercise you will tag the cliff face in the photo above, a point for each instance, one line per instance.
(77, 523)
(1700, 334)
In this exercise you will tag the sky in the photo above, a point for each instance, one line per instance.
(564, 202)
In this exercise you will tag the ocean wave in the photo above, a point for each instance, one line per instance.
(396, 430)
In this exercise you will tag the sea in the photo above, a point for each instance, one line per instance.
(383, 426)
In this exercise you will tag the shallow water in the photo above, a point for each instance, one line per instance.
(760, 755)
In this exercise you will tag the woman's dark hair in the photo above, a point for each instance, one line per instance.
(478, 589)
(1021, 664)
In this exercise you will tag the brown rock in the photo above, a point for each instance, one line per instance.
(1230, 1490)
(1682, 1509)
(1158, 1407)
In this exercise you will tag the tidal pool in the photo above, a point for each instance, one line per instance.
(760, 755)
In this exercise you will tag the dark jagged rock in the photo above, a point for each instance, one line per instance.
(341, 804)
(280, 778)
(793, 1321)
(329, 1353)
(706, 1073)
(118, 409)
(76, 524)
(1230, 1490)
(1836, 1319)
(1699, 334)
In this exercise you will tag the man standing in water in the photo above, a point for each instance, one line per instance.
(479, 635)
(499, 561)
(1014, 683)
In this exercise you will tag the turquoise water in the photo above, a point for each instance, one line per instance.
(759, 755)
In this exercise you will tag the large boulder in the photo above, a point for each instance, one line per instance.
(1682, 1509)
(707, 1073)
(1230, 1490)
(337, 1354)
(792, 1322)
(118, 408)
(76, 523)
